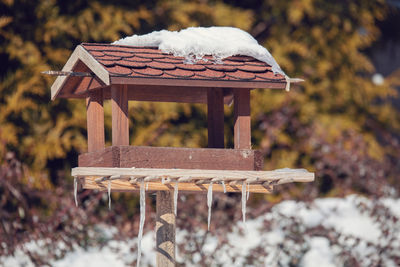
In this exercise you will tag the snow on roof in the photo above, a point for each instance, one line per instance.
(196, 42)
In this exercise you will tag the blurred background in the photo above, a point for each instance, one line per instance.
(342, 123)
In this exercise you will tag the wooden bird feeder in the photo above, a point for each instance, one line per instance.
(100, 72)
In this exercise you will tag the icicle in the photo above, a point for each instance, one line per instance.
(176, 197)
(287, 88)
(147, 186)
(109, 194)
(223, 185)
(142, 217)
(244, 202)
(248, 191)
(163, 180)
(209, 204)
(76, 190)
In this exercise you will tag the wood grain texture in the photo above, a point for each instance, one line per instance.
(274, 177)
(165, 229)
(174, 157)
(95, 121)
(108, 157)
(242, 127)
(123, 185)
(215, 117)
(120, 120)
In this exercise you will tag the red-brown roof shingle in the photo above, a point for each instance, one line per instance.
(150, 62)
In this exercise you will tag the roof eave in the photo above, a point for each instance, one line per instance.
(249, 84)
(83, 55)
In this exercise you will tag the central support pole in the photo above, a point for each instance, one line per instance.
(120, 120)
(165, 229)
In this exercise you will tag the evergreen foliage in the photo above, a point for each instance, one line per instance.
(337, 123)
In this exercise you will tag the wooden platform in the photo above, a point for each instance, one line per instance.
(130, 179)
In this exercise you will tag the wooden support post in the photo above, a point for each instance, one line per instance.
(95, 120)
(242, 128)
(215, 115)
(165, 229)
(120, 120)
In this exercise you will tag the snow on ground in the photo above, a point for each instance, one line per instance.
(195, 42)
(268, 240)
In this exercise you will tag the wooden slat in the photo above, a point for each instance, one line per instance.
(95, 121)
(276, 176)
(120, 120)
(215, 117)
(124, 185)
(165, 229)
(242, 127)
(174, 157)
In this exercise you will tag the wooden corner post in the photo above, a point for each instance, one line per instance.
(242, 128)
(95, 120)
(165, 229)
(120, 119)
(215, 117)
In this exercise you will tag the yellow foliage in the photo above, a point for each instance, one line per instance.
(313, 39)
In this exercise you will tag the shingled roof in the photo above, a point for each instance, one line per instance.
(149, 66)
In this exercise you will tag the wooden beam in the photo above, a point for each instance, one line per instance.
(165, 229)
(120, 120)
(198, 82)
(95, 120)
(242, 128)
(156, 93)
(123, 185)
(183, 158)
(215, 117)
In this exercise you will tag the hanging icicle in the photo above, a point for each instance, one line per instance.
(76, 190)
(244, 201)
(224, 186)
(109, 194)
(176, 197)
(209, 204)
(142, 218)
(248, 191)
(147, 186)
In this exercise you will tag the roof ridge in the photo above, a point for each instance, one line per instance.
(124, 46)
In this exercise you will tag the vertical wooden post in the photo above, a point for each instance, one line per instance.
(95, 120)
(215, 116)
(120, 120)
(242, 128)
(165, 229)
